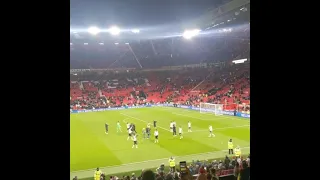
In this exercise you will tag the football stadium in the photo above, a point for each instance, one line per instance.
(161, 101)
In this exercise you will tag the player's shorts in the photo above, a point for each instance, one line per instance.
(156, 137)
(189, 127)
(129, 134)
(135, 142)
(210, 131)
(180, 134)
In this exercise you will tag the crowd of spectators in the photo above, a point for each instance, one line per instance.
(227, 168)
(228, 84)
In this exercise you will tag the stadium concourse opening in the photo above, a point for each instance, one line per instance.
(152, 98)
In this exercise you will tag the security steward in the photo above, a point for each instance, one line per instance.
(237, 151)
(97, 174)
(230, 146)
(172, 164)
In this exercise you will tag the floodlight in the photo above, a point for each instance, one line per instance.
(135, 30)
(85, 43)
(114, 30)
(188, 34)
(70, 44)
(94, 30)
(239, 61)
(101, 43)
(116, 43)
(127, 43)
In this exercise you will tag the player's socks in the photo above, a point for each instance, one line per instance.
(133, 146)
(136, 146)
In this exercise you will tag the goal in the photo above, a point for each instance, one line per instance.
(211, 108)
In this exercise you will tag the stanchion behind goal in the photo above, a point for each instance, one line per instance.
(211, 108)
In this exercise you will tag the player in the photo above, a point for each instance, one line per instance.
(128, 126)
(149, 125)
(174, 130)
(210, 130)
(118, 127)
(154, 123)
(144, 133)
(171, 126)
(156, 134)
(189, 126)
(129, 134)
(180, 132)
(133, 128)
(135, 141)
(148, 131)
(107, 128)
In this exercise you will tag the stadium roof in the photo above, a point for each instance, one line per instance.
(153, 20)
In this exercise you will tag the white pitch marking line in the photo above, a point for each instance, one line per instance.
(213, 152)
(143, 121)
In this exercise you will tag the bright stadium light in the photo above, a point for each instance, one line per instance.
(85, 43)
(101, 43)
(114, 30)
(94, 30)
(188, 34)
(127, 43)
(135, 31)
(116, 43)
(71, 44)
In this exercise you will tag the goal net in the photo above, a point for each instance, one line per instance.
(211, 108)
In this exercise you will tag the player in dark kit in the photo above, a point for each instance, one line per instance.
(107, 128)
(174, 130)
(148, 132)
(134, 128)
(155, 124)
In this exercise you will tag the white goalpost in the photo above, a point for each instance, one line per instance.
(211, 108)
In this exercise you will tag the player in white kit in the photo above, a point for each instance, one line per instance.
(156, 136)
(189, 126)
(180, 132)
(129, 134)
(128, 126)
(135, 141)
(210, 130)
(171, 126)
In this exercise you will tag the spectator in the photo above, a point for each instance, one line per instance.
(236, 171)
(133, 177)
(148, 175)
(202, 177)
(213, 174)
(227, 162)
(245, 171)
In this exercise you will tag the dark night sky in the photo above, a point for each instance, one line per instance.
(132, 13)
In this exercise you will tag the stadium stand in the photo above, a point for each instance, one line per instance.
(174, 71)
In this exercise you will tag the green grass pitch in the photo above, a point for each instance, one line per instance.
(90, 147)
